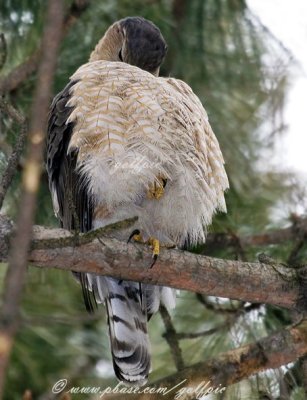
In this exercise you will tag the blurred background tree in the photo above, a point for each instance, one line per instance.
(241, 75)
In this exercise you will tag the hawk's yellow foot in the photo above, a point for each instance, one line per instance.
(156, 190)
(154, 243)
(136, 235)
(155, 249)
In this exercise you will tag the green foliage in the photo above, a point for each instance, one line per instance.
(215, 46)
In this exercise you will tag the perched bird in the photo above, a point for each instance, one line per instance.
(124, 142)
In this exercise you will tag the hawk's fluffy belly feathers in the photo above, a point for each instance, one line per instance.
(115, 132)
(132, 127)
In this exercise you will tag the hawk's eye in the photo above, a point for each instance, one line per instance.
(120, 56)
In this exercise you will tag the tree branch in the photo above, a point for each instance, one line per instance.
(170, 336)
(208, 332)
(232, 366)
(270, 283)
(240, 309)
(13, 161)
(21, 73)
(75, 11)
(3, 50)
(20, 243)
(221, 240)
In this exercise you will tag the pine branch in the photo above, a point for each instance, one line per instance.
(195, 335)
(271, 352)
(217, 241)
(277, 236)
(257, 282)
(171, 337)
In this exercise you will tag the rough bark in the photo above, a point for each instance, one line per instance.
(257, 282)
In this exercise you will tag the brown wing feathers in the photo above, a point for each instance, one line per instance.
(70, 192)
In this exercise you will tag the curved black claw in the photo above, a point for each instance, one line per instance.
(135, 232)
(155, 257)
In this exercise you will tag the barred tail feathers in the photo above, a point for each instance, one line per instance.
(127, 319)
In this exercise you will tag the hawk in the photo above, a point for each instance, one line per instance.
(124, 142)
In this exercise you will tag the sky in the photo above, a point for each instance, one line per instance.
(287, 20)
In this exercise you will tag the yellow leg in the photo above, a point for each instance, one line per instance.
(155, 246)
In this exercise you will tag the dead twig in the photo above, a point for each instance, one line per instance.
(171, 337)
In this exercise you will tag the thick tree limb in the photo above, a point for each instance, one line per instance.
(271, 283)
(232, 366)
(254, 282)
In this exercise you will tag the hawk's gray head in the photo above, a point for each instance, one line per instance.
(133, 40)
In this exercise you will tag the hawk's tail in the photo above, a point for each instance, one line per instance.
(127, 318)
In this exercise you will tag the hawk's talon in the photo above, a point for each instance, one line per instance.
(155, 249)
(155, 257)
(154, 243)
(136, 235)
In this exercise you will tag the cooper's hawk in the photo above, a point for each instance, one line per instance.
(123, 142)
